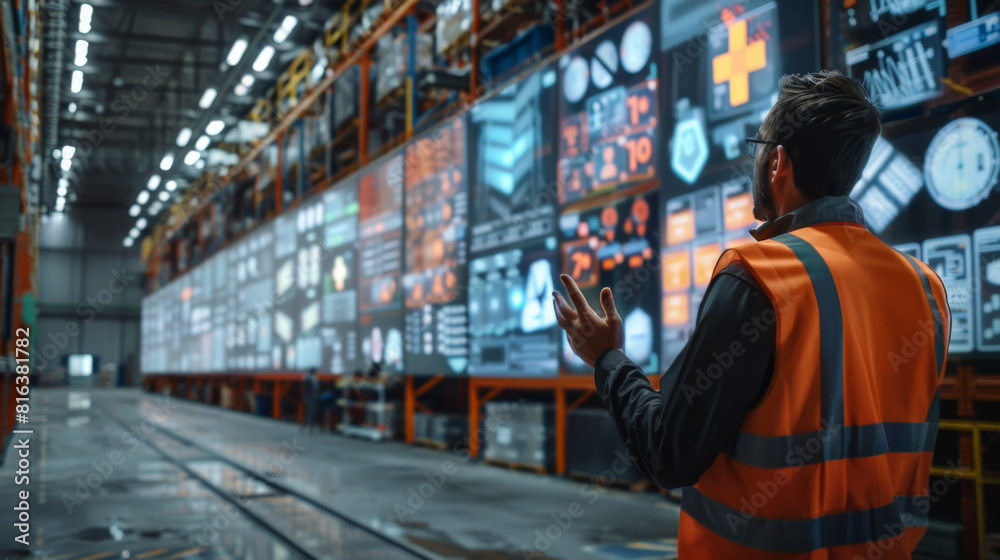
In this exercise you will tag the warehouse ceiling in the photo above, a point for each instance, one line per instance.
(145, 70)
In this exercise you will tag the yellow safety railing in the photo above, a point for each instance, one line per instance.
(977, 474)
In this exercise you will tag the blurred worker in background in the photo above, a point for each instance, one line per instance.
(802, 413)
(310, 396)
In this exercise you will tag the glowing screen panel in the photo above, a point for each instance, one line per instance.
(721, 66)
(616, 246)
(608, 110)
(437, 206)
(930, 190)
(514, 253)
(380, 266)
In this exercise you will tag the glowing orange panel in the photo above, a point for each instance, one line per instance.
(676, 310)
(736, 65)
(705, 258)
(676, 271)
(738, 212)
(680, 227)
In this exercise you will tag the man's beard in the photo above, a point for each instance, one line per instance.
(763, 204)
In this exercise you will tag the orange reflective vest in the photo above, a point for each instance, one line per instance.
(834, 462)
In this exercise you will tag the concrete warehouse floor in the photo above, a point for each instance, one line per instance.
(123, 474)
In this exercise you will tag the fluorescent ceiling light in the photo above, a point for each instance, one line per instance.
(81, 52)
(155, 208)
(140, 223)
(202, 143)
(319, 70)
(214, 127)
(68, 152)
(72, 108)
(183, 137)
(61, 201)
(86, 14)
(64, 182)
(134, 210)
(200, 164)
(192, 157)
(164, 195)
(243, 87)
(236, 53)
(143, 197)
(66, 164)
(171, 185)
(76, 83)
(285, 29)
(207, 98)
(61, 191)
(263, 59)
(128, 242)
(134, 232)
(153, 182)
(167, 162)
(57, 153)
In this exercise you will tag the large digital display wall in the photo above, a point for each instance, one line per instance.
(622, 163)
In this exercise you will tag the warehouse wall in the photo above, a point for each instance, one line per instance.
(90, 290)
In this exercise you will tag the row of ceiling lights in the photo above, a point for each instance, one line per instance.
(213, 128)
(65, 155)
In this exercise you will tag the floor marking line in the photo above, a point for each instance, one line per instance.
(151, 553)
(188, 552)
(99, 555)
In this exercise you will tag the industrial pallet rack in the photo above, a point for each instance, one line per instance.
(19, 21)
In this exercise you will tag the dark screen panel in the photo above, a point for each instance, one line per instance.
(286, 305)
(380, 262)
(436, 252)
(334, 280)
(616, 246)
(710, 106)
(514, 253)
(608, 111)
(930, 189)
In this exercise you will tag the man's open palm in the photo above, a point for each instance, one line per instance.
(589, 334)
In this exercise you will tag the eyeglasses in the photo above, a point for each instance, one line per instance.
(753, 145)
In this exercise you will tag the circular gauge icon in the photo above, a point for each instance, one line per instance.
(962, 163)
(637, 46)
(575, 79)
(604, 64)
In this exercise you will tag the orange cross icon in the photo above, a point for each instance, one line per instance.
(736, 65)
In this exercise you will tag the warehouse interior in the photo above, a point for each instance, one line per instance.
(277, 275)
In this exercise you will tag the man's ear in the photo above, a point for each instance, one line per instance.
(781, 165)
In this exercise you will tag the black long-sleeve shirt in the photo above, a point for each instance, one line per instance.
(721, 374)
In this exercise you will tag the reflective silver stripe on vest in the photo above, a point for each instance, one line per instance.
(806, 535)
(833, 443)
(831, 329)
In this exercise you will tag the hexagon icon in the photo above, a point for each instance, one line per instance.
(690, 149)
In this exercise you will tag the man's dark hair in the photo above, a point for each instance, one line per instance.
(828, 126)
